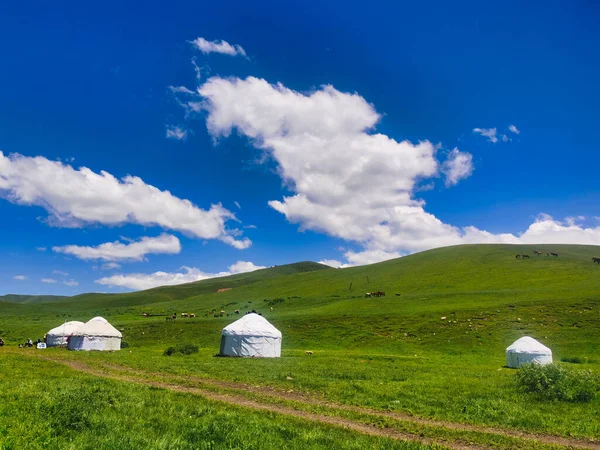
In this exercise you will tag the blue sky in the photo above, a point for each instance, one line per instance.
(345, 134)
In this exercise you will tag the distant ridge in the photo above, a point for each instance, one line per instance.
(14, 298)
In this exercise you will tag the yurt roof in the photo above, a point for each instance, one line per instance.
(65, 329)
(251, 325)
(529, 345)
(98, 326)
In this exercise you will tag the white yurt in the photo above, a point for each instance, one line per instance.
(251, 336)
(527, 350)
(96, 334)
(57, 337)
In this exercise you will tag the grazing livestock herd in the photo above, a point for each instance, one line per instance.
(375, 294)
(538, 253)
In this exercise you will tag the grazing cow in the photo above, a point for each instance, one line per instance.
(554, 254)
(145, 314)
(271, 309)
(518, 256)
(309, 352)
(537, 252)
(222, 313)
(237, 311)
(398, 294)
(524, 256)
(184, 314)
(192, 315)
(174, 316)
(596, 260)
(368, 295)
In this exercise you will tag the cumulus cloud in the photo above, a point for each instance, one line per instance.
(20, 277)
(490, 133)
(110, 266)
(514, 129)
(74, 197)
(457, 166)
(332, 263)
(176, 133)
(132, 251)
(347, 180)
(218, 46)
(140, 281)
(48, 280)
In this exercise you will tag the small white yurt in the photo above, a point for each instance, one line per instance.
(96, 334)
(251, 336)
(527, 350)
(57, 337)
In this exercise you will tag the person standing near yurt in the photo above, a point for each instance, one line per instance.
(251, 336)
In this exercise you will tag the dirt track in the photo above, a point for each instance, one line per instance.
(236, 397)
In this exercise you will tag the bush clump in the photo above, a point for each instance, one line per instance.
(183, 349)
(573, 360)
(556, 382)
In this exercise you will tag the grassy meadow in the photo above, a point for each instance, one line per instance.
(435, 351)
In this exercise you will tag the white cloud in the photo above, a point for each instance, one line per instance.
(348, 181)
(70, 283)
(110, 266)
(250, 227)
(60, 272)
(514, 129)
(505, 138)
(332, 263)
(77, 197)
(243, 267)
(132, 251)
(180, 90)
(20, 277)
(237, 204)
(218, 46)
(176, 133)
(41, 249)
(489, 133)
(48, 280)
(458, 165)
(139, 281)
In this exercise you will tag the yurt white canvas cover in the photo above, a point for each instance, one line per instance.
(57, 337)
(96, 334)
(251, 336)
(527, 350)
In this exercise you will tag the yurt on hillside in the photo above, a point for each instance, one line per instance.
(251, 336)
(96, 334)
(527, 350)
(57, 337)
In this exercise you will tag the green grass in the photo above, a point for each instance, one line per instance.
(391, 353)
(65, 409)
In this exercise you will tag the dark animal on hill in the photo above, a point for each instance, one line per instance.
(378, 294)
(184, 314)
(554, 254)
(537, 252)
(596, 260)
(237, 311)
(398, 294)
(174, 316)
(518, 256)
(524, 256)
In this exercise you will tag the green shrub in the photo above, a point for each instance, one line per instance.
(184, 349)
(556, 382)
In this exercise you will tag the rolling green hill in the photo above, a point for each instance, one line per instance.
(432, 347)
(13, 298)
